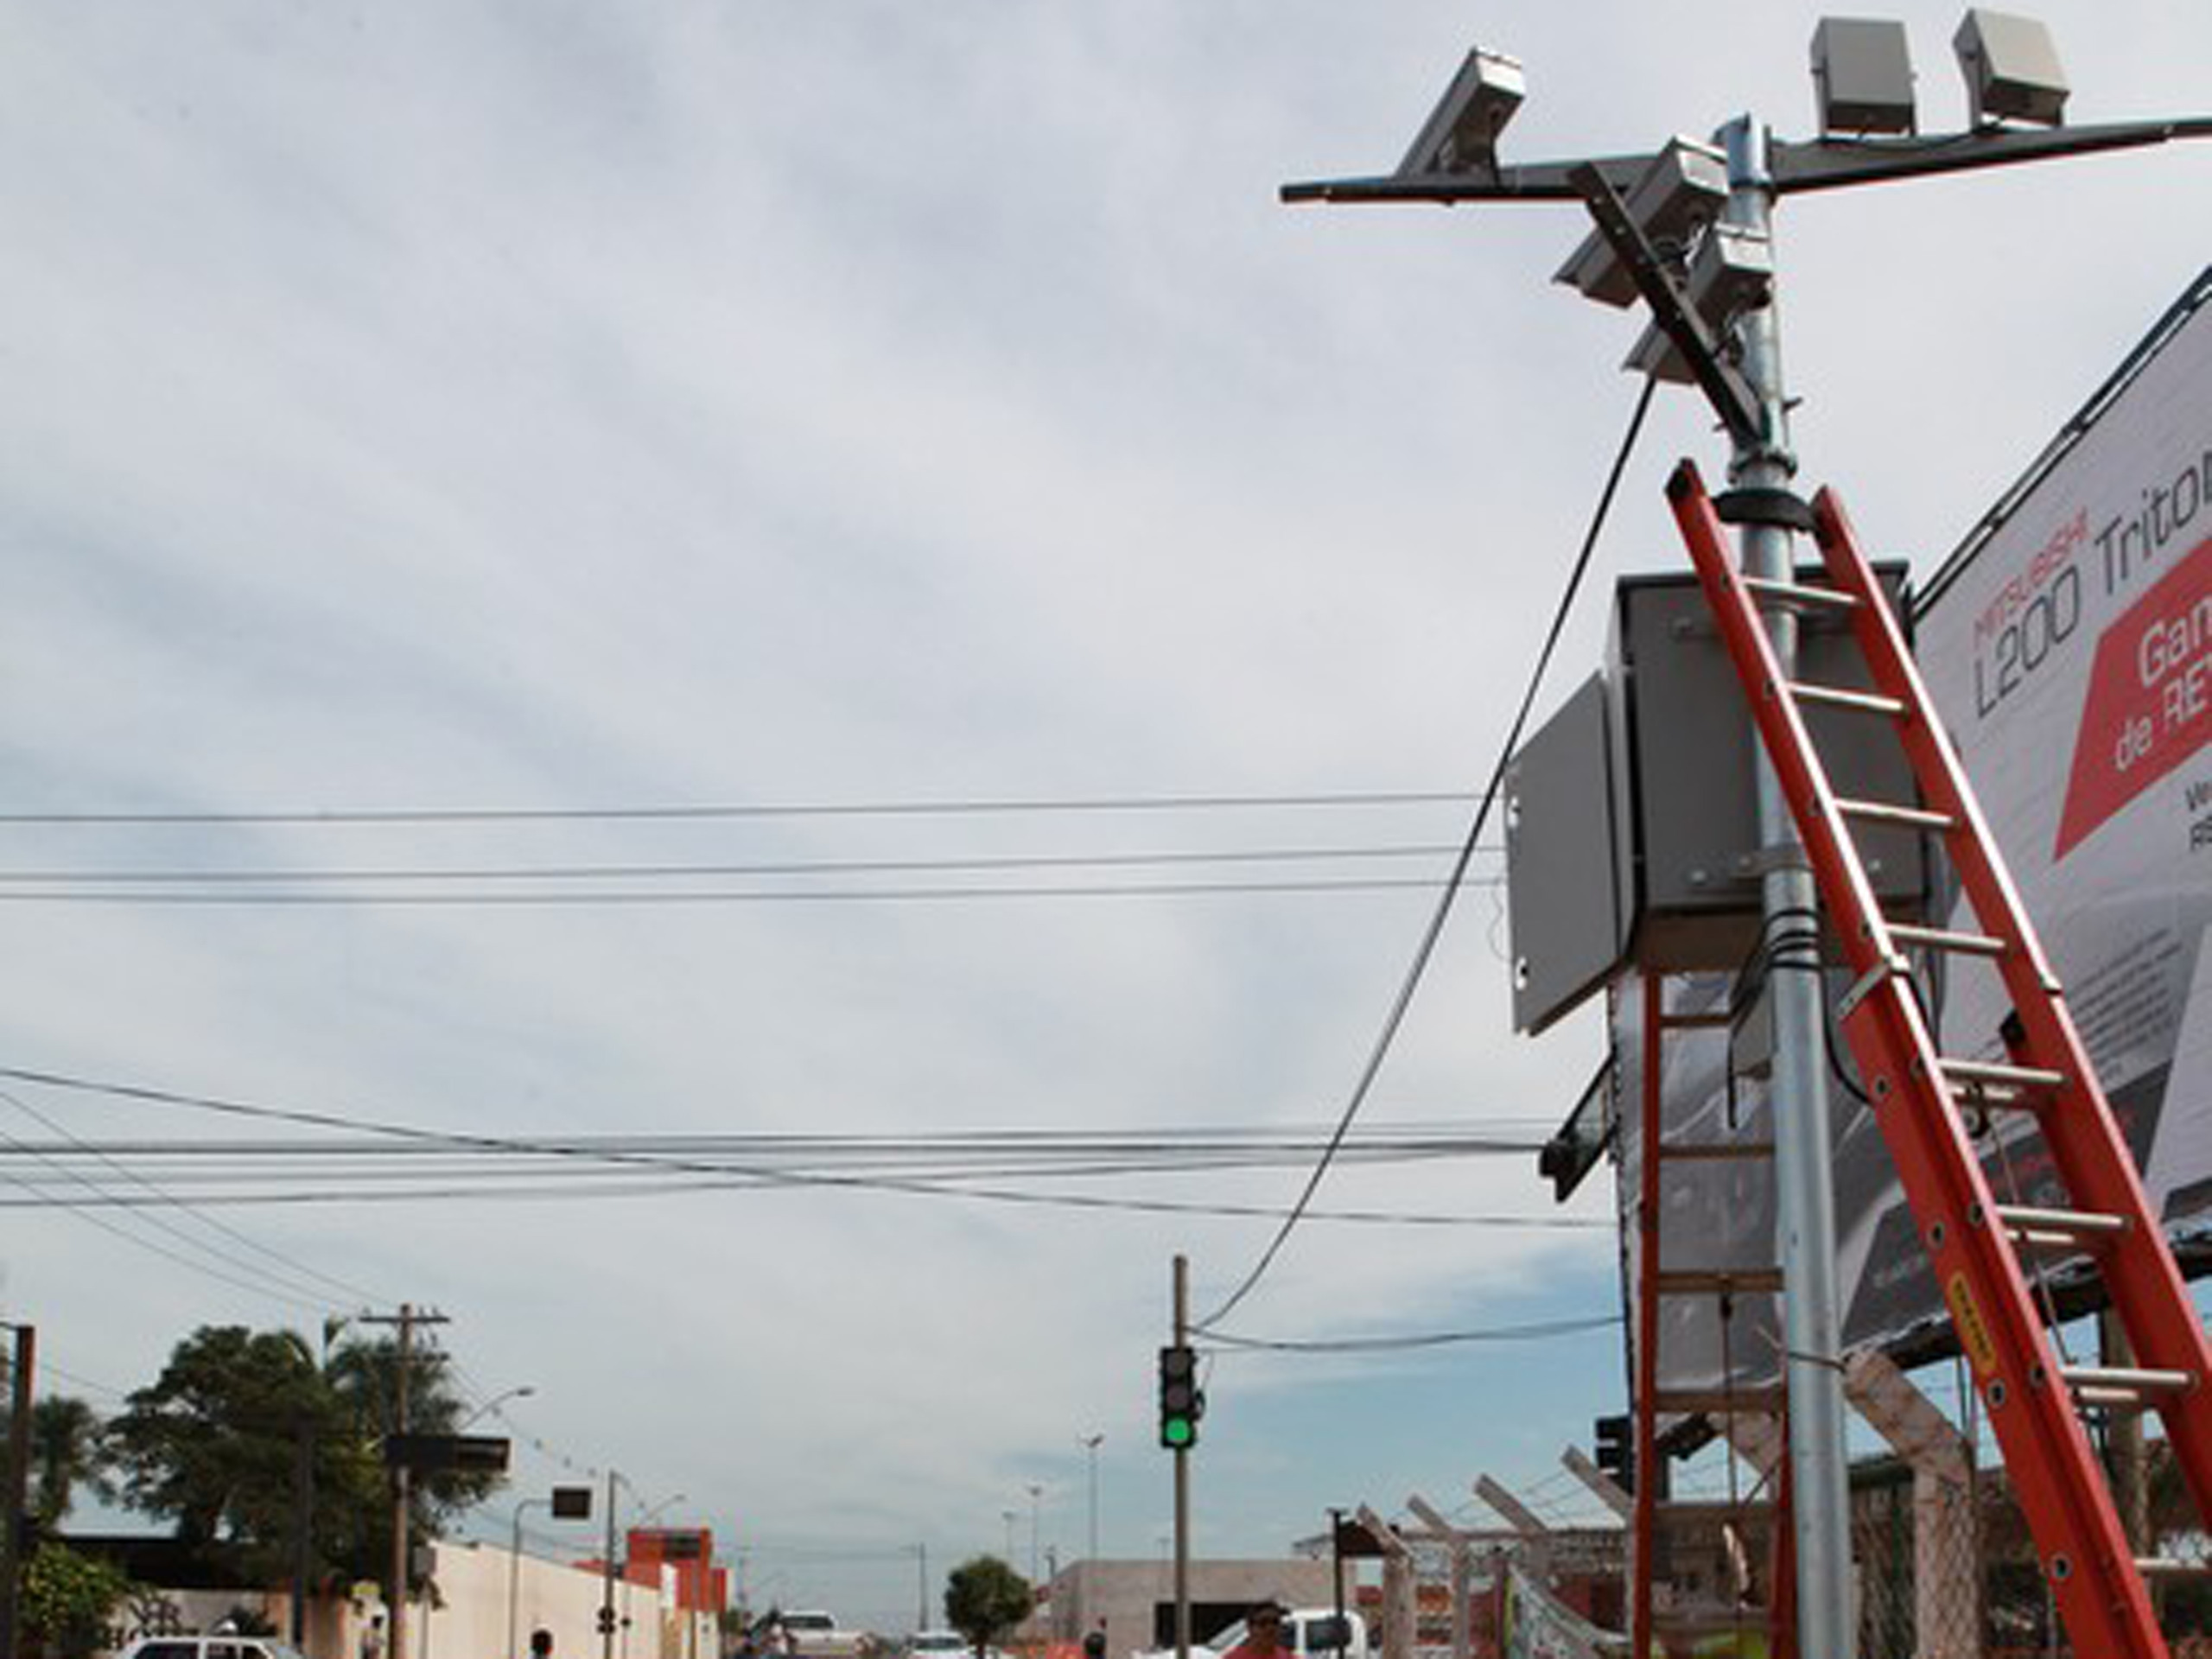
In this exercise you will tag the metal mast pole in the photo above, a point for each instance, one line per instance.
(1805, 1202)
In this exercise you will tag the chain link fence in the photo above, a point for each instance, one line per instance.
(1967, 1584)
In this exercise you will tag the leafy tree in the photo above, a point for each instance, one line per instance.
(68, 1597)
(214, 1446)
(985, 1600)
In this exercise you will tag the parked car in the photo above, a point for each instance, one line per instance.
(937, 1644)
(209, 1647)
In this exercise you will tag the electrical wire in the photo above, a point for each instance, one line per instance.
(1401, 1002)
(750, 1175)
(298, 1274)
(981, 806)
(1539, 1331)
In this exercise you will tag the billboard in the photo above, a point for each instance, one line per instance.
(2067, 644)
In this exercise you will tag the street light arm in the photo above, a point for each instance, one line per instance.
(1831, 163)
(1816, 164)
(1535, 181)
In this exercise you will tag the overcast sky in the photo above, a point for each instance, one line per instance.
(567, 408)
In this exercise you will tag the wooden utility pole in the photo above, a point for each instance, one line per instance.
(395, 1599)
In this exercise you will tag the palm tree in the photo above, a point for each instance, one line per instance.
(64, 1454)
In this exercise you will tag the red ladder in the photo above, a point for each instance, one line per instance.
(2034, 1401)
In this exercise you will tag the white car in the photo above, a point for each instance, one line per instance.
(939, 1644)
(209, 1647)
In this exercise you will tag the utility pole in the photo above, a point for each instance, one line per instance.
(1182, 1300)
(402, 1481)
(18, 1495)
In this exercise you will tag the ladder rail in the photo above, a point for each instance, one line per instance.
(2084, 1137)
(2085, 1550)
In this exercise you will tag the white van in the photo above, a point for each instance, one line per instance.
(1307, 1633)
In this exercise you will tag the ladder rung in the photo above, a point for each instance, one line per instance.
(1919, 818)
(2002, 1075)
(1844, 697)
(2060, 1227)
(1797, 593)
(1711, 1019)
(2171, 1566)
(1711, 1511)
(2109, 1385)
(1944, 938)
(1714, 1151)
(1762, 1401)
(1717, 1281)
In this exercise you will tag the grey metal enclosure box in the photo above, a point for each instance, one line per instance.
(1569, 928)
(1682, 764)
(1862, 73)
(2012, 68)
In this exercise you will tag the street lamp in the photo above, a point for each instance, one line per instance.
(492, 1405)
(1090, 1444)
(1036, 1494)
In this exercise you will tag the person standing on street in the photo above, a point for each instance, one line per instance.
(1262, 1633)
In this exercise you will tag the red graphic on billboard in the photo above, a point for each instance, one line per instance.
(2149, 703)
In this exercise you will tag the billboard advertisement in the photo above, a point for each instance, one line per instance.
(2068, 644)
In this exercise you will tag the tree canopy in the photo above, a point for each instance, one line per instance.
(985, 1598)
(215, 1446)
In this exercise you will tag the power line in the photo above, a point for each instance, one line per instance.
(704, 1175)
(984, 806)
(739, 896)
(1402, 1003)
(1539, 1331)
(299, 1275)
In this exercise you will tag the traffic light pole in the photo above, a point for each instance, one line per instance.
(1790, 906)
(1182, 1294)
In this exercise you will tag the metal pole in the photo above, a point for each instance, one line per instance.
(514, 1574)
(1182, 1454)
(396, 1600)
(1804, 1177)
(19, 1477)
(1090, 1448)
(922, 1587)
(607, 1578)
(1036, 1524)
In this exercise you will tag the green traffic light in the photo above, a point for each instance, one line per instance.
(1176, 1433)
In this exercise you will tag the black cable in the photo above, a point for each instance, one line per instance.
(780, 870)
(301, 1276)
(737, 896)
(725, 1175)
(1403, 1001)
(1538, 1331)
(981, 806)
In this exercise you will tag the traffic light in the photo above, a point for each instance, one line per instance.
(605, 1621)
(1181, 1403)
(1615, 1450)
